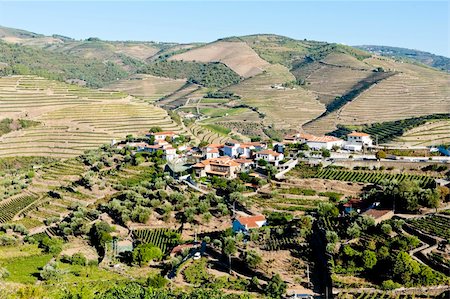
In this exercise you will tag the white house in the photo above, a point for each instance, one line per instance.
(246, 223)
(163, 135)
(231, 149)
(356, 141)
(269, 156)
(323, 142)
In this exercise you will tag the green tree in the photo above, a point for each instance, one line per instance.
(143, 253)
(252, 258)
(405, 268)
(276, 287)
(229, 248)
(380, 155)
(369, 259)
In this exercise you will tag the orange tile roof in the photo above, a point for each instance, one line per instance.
(376, 213)
(214, 145)
(324, 139)
(269, 152)
(358, 134)
(214, 150)
(250, 221)
(220, 161)
(243, 161)
(165, 133)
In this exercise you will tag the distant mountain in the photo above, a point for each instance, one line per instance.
(436, 61)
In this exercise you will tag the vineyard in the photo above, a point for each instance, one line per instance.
(389, 130)
(434, 225)
(371, 177)
(282, 243)
(10, 208)
(164, 238)
(381, 296)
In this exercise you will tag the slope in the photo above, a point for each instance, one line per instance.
(410, 55)
(236, 55)
(72, 119)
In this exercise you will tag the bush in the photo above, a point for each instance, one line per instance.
(390, 285)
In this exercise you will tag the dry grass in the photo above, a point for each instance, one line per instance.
(236, 55)
(147, 87)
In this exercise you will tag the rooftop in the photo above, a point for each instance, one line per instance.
(251, 221)
(358, 134)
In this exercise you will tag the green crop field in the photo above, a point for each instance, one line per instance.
(157, 236)
(373, 177)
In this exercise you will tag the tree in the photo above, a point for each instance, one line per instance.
(326, 209)
(156, 281)
(155, 129)
(386, 228)
(380, 155)
(143, 253)
(369, 259)
(229, 248)
(325, 153)
(252, 258)
(276, 287)
(405, 268)
(51, 245)
(354, 230)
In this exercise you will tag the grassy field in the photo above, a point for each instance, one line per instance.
(72, 119)
(25, 269)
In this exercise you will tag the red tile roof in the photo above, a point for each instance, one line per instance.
(358, 134)
(251, 221)
(269, 152)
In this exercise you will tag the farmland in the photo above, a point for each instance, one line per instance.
(434, 225)
(285, 107)
(162, 238)
(370, 176)
(435, 124)
(72, 119)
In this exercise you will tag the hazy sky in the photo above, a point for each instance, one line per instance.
(422, 25)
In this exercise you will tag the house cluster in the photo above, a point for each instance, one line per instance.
(225, 160)
(355, 141)
(228, 159)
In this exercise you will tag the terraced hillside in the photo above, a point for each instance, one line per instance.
(72, 119)
(431, 133)
(412, 91)
(283, 107)
(147, 87)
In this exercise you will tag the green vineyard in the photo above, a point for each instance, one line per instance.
(370, 177)
(434, 225)
(381, 296)
(10, 208)
(164, 238)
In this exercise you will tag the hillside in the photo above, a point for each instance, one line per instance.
(238, 56)
(71, 119)
(436, 61)
(23, 60)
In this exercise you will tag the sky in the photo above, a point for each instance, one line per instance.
(421, 25)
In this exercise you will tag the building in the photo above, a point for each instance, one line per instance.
(269, 156)
(323, 142)
(379, 215)
(221, 166)
(231, 149)
(163, 135)
(246, 223)
(357, 140)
